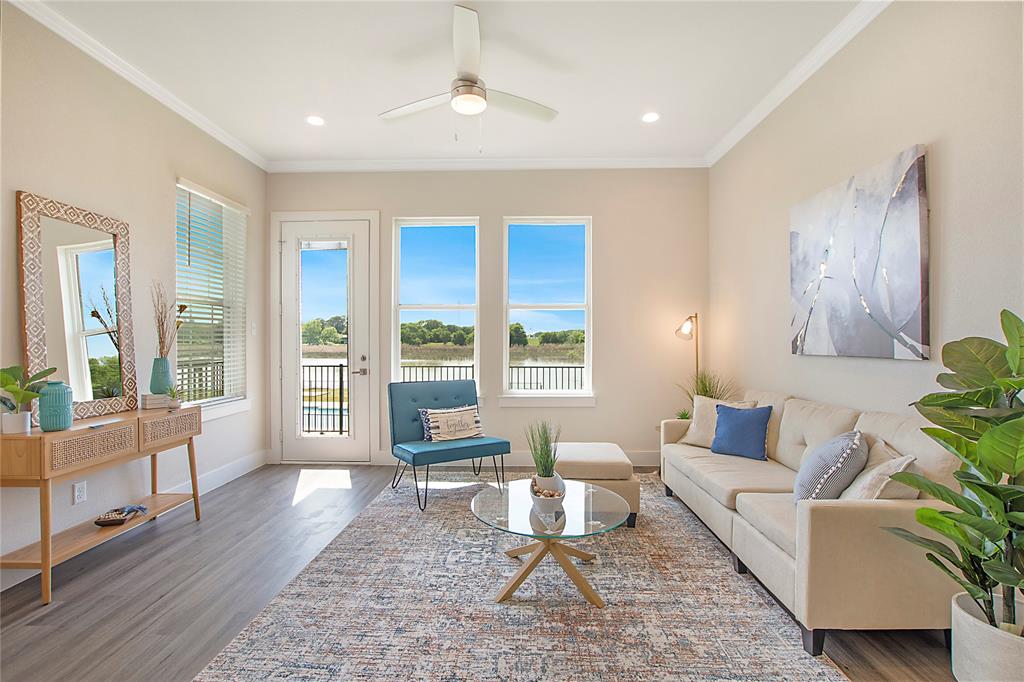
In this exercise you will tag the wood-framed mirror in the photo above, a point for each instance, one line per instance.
(76, 310)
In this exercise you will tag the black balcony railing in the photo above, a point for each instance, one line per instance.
(324, 399)
(436, 372)
(546, 378)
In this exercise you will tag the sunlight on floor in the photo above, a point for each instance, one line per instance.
(311, 480)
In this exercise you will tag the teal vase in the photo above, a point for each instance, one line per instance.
(160, 379)
(55, 406)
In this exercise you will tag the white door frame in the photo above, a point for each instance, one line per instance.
(275, 370)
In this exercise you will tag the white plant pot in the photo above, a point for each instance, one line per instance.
(982, 653)
(549, 505)
(554, 483)
(20, 422)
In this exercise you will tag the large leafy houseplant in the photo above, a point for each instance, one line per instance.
(981, 421)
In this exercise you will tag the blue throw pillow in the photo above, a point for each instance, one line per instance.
(742, 432)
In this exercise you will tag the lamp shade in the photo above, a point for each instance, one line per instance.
(686, 329)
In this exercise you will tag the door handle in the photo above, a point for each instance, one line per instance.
(362, 371)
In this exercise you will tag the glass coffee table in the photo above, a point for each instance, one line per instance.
(586, 510)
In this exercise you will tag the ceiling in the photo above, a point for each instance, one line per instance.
(250, 73)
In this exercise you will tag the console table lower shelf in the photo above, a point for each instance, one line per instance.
(36, 459)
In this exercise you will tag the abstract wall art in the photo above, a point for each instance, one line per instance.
(858, 263)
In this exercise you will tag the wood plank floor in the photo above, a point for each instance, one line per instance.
(161, 601)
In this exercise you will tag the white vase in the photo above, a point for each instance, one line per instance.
(980, 651)
(549, 505)
(554, 483)
(20, 422)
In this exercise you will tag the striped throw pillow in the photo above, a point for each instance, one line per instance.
(451, 423)
(830, 468)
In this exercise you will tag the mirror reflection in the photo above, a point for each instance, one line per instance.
(80, 309)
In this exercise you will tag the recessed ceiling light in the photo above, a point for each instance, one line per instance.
(315, 120)
(650, 117)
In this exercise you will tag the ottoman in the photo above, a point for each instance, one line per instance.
(603, 464)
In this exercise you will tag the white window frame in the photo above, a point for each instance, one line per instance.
(520, 398)
(220, 406)
(77, 335)
(397, 308)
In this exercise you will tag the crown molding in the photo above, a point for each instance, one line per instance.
(57, 23)
(853, 23)
(477, 164)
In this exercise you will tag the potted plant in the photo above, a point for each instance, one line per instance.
(980, 421)
(547, 486)
(174, 393)
(20, 389)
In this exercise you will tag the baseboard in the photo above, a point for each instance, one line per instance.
(210, 480)
(215, 478)
(644, 458)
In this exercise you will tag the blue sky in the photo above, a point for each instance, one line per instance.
(324, 282)
(96, 272)
(546, 265)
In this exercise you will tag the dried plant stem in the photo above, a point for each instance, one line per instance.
(167, 316)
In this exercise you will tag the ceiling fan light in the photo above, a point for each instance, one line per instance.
(469, 104)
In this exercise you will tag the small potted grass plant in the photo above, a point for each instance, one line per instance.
(547, 486)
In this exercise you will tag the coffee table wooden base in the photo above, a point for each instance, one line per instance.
(561, 553)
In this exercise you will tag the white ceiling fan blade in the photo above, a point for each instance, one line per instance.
(466, 40)
(520, 105)
(417, 106)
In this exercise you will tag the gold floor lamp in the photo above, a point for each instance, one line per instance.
(688, 330)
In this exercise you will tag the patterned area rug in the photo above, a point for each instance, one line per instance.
(401, 594)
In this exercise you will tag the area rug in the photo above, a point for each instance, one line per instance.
(404, 594)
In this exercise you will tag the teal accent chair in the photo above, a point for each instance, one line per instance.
(404, 402)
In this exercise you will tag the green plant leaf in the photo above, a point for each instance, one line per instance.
(1002, 447)
(990, 396)
(1004, 491)
(1015, 517)
(1013, 330)
(1011, 384)
(1004, 573)
(931, 518)
(962, 424)
(975, 591)
(992, 530)
(952, 382)
(965, 450)
(976, 360)
(938, 491)
(39, 376)
(929, 544)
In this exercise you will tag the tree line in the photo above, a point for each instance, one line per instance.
(334, 330)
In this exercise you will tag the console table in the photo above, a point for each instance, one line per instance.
(38, 458)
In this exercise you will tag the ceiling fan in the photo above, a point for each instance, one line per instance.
(468, 94)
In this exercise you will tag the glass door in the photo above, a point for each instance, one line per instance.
(325, 341)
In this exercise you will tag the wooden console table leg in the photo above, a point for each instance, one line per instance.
(45, 544)
(152, 473)
(192, 473)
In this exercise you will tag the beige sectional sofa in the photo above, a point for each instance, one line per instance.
(827, 561)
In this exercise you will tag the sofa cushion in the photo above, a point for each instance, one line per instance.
(778, 403)
(806, 424)
(723, 477)
(830, 468)
(674, 451)
(705, 418)
(599, 461)
(773, 514)
(741, 432)
(903, 434)
(874, 483)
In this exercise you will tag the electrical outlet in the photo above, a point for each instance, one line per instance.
(78, 492)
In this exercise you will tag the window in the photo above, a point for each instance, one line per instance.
(87, 285)
(211, 233)
(547, 311)
(435, 290)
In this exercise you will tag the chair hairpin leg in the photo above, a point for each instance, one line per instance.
(396, 478)
(477, 469)
(426, 486)
(500, 478)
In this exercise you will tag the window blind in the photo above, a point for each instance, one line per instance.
(210, 257)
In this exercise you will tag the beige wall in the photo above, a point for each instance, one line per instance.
(947, 75)
(75, 131)
(649, 248)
